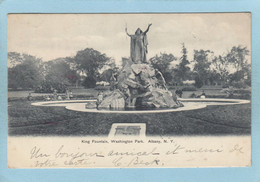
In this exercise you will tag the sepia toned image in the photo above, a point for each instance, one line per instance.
(129, 90)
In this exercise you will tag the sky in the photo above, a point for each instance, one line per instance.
(50, 36)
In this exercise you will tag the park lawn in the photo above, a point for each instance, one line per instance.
(25, 119)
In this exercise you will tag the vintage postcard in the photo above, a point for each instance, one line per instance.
(158, 90)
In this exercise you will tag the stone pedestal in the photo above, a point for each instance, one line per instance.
(138, 86)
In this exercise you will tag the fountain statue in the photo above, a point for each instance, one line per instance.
(138, 46)
(138, 85)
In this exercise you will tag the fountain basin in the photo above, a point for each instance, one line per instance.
(189, 104)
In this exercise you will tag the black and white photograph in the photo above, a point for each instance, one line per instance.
(132, 80)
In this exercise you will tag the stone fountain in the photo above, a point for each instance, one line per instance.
(137, 85)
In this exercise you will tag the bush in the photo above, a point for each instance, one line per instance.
(89, 82)
(193, 95)
(217, 96)
(225, 86)
(242, 91)
(34, 98)
(240, 96)
(239, 84)
(198, 82)
(189, 88)
(49, 87)
(101, 87)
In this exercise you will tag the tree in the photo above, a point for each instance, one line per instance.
(58, 75)
(162, 63)
(14, 58)
(220, 68)
(237, 58)
(107, 74)
(182, 71)
(201, 67)
(109, 69)
(59, 71)
(89, 82)
(214, 77)
(90, 61)
(27, 73)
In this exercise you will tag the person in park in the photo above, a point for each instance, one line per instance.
(139, 45)
(67, 94)
(70, 94)
(203, 95)
(100, 97)
(29, 97)
(179, 92)
(55, 95)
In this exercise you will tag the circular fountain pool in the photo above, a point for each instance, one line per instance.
(189, 104)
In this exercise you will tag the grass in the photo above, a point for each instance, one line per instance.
(25, 119)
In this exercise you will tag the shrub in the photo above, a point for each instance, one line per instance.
(239, 84)
(198, 82)
(49, 87)
(242, 91)
(225, 86)
(193, 95)
(101, 87)
(189, 88)
(89, 82)
(240, 96)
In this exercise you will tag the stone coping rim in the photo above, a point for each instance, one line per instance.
(215, 101)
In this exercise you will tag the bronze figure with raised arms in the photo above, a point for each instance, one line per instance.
(138, 46)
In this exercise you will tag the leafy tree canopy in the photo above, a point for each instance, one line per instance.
(237, 57)
(182, 70)
(162, 63)
(90, 61)
(59, 71)
(27, 74)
